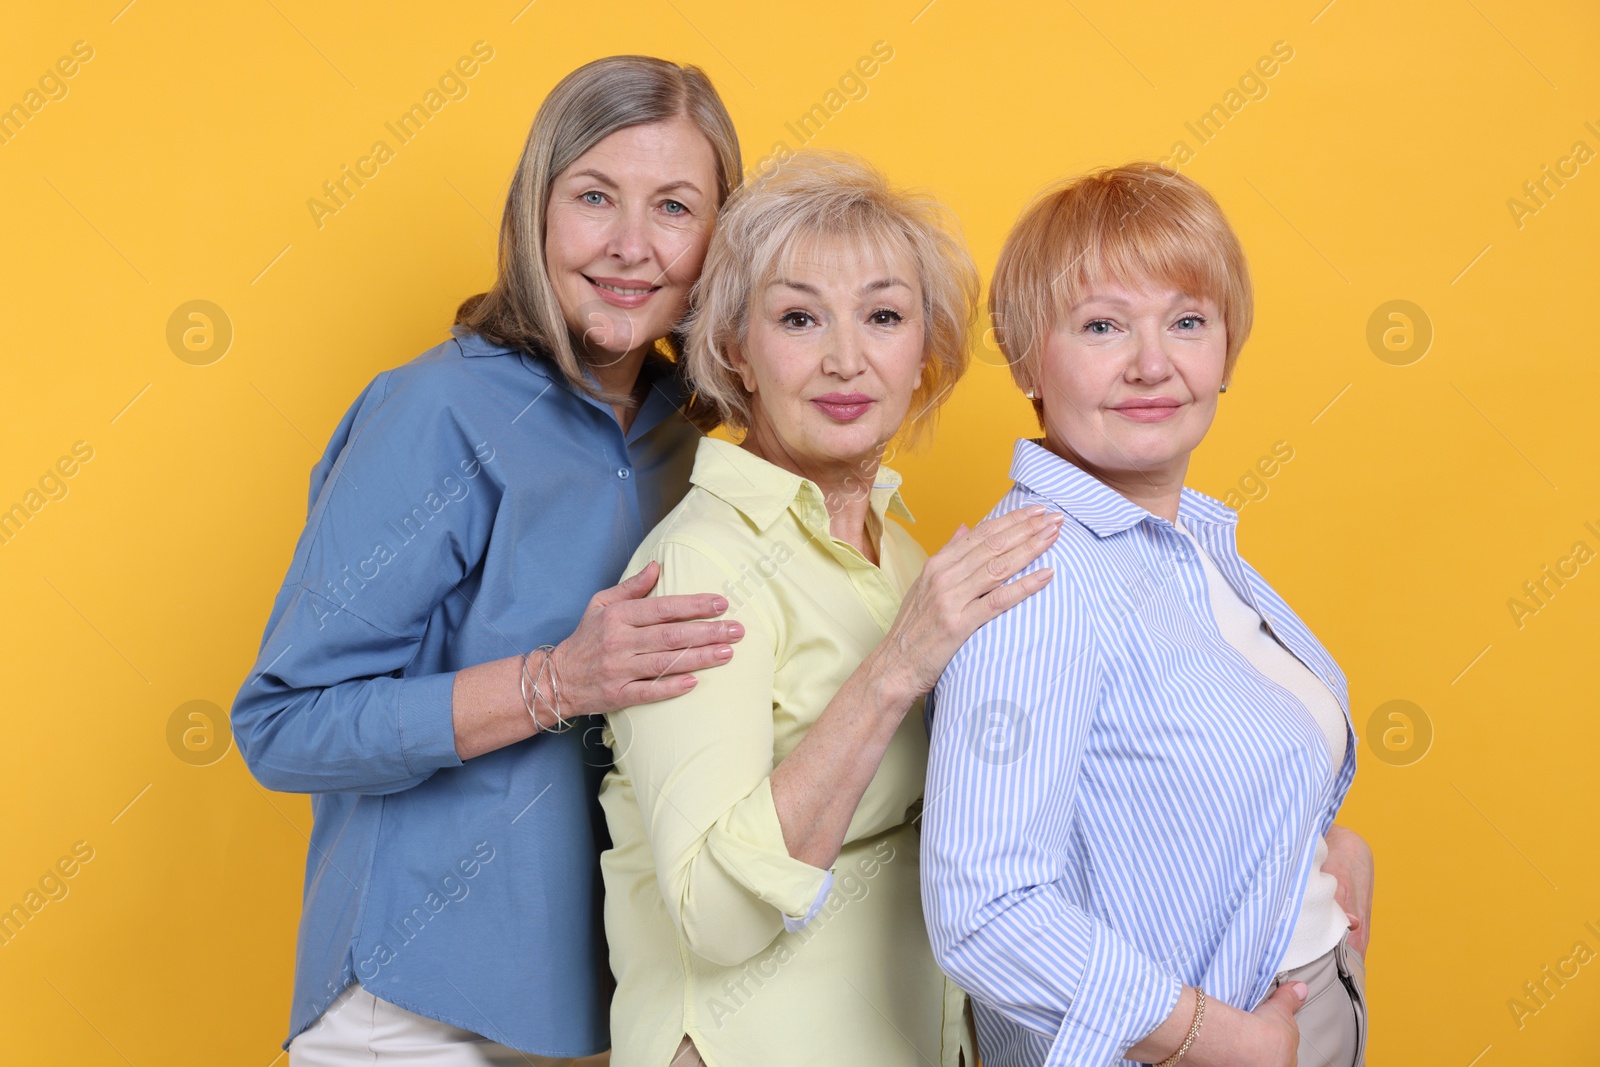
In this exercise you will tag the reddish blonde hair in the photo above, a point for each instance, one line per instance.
(1132, 224)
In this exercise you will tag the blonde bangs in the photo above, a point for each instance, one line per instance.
(813, 201)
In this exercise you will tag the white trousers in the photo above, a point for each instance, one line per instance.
(358, 1028)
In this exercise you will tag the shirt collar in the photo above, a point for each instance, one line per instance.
(665, 395)
(762, 491)
(475, 344)
(1096, 505)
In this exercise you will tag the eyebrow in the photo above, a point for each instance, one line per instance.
(606, 179)
(870, 287)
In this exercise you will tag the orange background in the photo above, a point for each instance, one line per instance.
(1427, 484)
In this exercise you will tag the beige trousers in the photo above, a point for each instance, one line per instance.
(1333, 1020)
(359, 1028)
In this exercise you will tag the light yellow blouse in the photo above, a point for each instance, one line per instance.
(698, 881)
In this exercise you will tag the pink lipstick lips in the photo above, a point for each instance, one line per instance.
(1147, 409)
(623, 292)
(843, 407)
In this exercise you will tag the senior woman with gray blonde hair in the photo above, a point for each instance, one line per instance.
(762, 899)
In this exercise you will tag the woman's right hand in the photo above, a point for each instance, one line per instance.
(1279, 1033)
(1229, 1037)
(962, 587)
(630, 648)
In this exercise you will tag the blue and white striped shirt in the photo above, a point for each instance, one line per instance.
(1118, 802)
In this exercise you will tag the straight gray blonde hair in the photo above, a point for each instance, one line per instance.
(586, 107)
(825, 196)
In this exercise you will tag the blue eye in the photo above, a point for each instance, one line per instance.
(673, 207)
(1196, 321)
(592, 198)
(1098, 326)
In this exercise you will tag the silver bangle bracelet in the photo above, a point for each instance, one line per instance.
(552, 700)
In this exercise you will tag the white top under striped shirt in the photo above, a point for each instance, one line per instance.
(1322, 920)
(1118, 802)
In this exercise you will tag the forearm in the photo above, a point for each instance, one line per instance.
(371, 735)
(486, 706)
(1346, 842)
(818, 786)
(1228, 1037)
(1351, 863)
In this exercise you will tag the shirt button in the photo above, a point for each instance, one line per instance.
(623, 473)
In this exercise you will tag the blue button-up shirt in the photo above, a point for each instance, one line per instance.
(1118, 802)
(468, 506)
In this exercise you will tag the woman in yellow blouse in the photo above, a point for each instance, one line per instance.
(762, 898)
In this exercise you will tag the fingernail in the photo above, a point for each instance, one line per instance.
(719, 605)
(1300, 989)
(724, 651)
(735, 630)
(689, 681)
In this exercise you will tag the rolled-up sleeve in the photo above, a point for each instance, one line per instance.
(1011, 719)
(701, 767)
(402, 505)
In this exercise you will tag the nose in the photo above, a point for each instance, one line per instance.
(628, 241)
(1151, 362)
(844, 352)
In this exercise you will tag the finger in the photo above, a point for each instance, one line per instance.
(677, 608)
(683, 661)
(677, 635)
(961, 531)
(649, 692)
(995, 537)
(981, 576)
(1015, 519)
(1011, 594)
(630, 588)
(1286, 1000)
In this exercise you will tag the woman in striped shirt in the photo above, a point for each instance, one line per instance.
(1134, 774)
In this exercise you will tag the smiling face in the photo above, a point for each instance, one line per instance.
(1129, 381)
(832, 355)
(626, 228)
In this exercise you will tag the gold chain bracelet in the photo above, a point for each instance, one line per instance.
(1194, 1029)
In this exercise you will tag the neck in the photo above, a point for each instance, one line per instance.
(619, 375)
(1158, 490)
(846, 484)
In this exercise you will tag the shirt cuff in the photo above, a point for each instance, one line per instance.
(748, 845)
(427, 723)
(793, 925)
(1121, 997)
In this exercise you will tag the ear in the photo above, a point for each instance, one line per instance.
(917, 384)
(747, 374)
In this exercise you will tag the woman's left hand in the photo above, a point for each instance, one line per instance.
(1350, 862)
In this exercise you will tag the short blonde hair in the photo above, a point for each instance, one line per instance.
(587, 106)
(773, 218)
(1125, 224)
